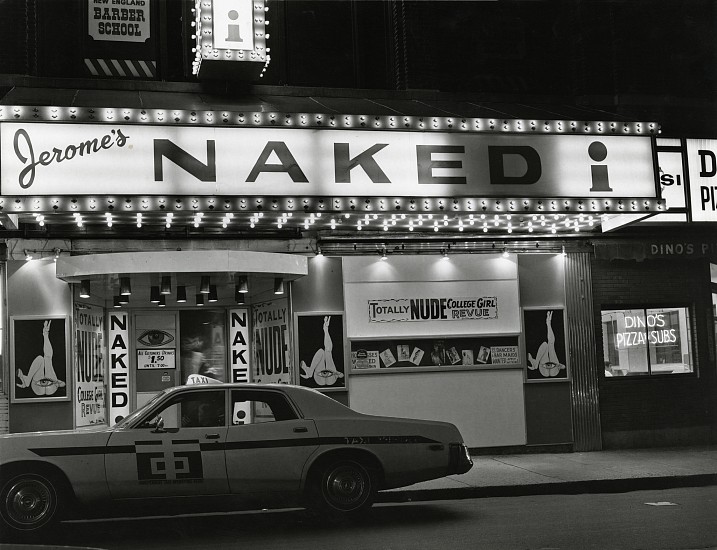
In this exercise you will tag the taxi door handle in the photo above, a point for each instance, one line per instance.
(211, 436)
(301, 429)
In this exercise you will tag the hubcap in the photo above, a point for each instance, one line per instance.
(28, 502)
(346, 487)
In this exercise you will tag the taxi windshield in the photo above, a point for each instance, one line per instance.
(124, 422)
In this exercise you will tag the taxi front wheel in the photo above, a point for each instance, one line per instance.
(28, 502)
(345, 487)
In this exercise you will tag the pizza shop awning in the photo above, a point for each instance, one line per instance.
(271, 163)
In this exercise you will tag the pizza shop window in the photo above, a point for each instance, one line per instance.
(647, 341)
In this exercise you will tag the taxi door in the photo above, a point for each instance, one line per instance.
(267, 444)
(179, 458)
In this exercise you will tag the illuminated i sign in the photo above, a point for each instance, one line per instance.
(229, 30)
(233, 24)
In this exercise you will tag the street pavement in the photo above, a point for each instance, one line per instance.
(570, 473)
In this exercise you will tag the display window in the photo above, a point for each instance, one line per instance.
(647, 341)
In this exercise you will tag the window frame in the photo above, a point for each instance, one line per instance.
(645, 307)
(164, 402)
(259, 395)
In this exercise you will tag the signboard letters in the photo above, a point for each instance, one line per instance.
(49, 159)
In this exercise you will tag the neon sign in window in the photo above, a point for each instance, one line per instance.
(646, 341)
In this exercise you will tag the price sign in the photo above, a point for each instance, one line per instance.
(156, 358)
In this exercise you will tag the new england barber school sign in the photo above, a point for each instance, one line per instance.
(82, 159)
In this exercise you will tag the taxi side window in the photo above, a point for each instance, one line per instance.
(256, 407)
(195, 409)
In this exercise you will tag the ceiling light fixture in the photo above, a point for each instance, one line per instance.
(85, 288)
(181, 294)
(125, 288)
(204, 284)
(166, 287)
(243, 285)
(154, 294)
(278, 285)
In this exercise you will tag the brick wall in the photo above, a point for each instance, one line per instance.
(668, 410)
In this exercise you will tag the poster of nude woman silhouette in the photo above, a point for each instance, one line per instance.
(39, 363)
(545, 352)
(320, 349)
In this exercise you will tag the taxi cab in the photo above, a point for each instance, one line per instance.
(245, 442)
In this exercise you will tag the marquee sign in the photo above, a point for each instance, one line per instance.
(702, 162)
(84, 159)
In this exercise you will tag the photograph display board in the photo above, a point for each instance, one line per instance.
(90, 367)
(546, 357)
(320, 348)
(271, 355)
(39, 359)
(435, 352)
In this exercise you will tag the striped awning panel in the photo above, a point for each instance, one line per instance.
(122, 68)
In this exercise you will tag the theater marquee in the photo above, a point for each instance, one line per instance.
(87, 159)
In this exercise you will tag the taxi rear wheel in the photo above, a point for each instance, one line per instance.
(28, 502)
(346, 487)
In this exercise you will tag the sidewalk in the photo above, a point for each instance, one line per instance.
(570, 473)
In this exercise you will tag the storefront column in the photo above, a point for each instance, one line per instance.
(583, 362)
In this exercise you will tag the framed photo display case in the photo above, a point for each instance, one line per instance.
(39, 359)
(545, 350)
(321, 354)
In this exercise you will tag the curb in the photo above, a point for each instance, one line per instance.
(555, 488)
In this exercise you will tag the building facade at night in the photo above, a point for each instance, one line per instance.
(318, 193)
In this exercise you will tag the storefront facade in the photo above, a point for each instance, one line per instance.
(421, 267)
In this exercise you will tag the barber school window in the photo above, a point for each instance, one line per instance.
(647, 341)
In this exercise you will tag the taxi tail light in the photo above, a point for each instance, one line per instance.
(460, 458)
